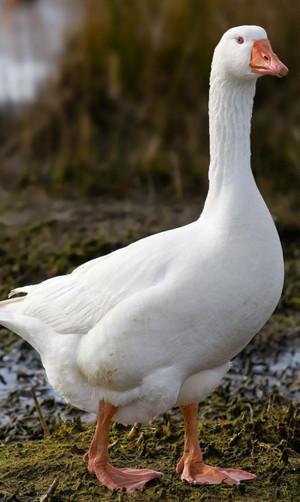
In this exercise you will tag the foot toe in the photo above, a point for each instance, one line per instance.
(205, 474)
(117, 478)
(238, 475)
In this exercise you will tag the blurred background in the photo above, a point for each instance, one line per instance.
(109, 97)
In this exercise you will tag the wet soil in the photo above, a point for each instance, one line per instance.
(250, 421)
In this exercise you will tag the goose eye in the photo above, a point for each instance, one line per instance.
(240, 40)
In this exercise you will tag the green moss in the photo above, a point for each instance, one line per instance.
(264, 444)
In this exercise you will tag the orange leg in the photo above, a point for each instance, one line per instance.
(191, 465)
(98, 458)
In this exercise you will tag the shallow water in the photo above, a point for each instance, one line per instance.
(270, 364)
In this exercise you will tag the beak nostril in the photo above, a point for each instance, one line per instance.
(266, 58)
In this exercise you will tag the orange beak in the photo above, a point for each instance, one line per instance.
(264, 61)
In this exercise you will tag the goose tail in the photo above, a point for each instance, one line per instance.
(35, 332)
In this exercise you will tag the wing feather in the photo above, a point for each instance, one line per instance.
(75, 302)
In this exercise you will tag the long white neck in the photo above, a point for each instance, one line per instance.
(230, 111)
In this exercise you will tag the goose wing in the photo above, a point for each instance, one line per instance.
(74, 303)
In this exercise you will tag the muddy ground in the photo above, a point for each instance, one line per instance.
(251, 421)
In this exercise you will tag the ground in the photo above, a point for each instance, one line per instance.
(264, 444)
(251, 421)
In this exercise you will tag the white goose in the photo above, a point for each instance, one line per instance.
(155, 324)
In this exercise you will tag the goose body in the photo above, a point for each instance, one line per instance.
(156, 323)
(159, 312)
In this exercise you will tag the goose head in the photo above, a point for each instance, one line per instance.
(245, 53)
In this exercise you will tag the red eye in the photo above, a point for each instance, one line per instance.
(240, 40)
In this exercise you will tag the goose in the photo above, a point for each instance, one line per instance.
(155, 324)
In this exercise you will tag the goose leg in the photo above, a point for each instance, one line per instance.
(191, 465)
(98, 459)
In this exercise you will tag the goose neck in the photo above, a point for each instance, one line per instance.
(230, 111)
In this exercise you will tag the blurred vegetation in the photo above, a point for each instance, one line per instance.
(127, 112)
